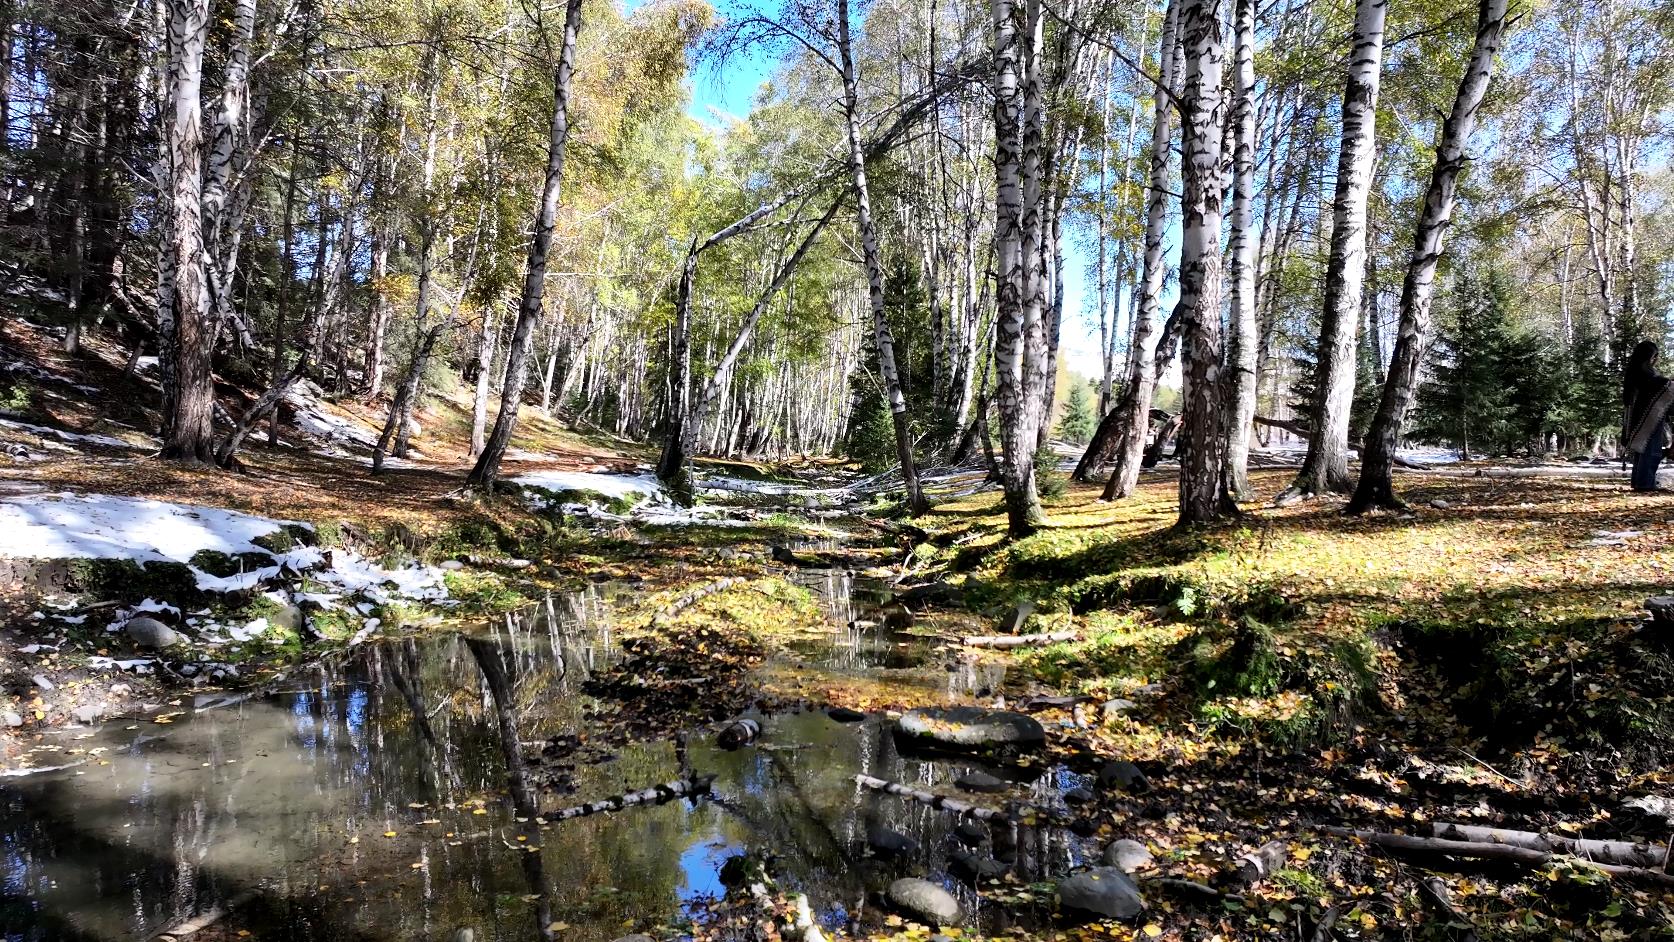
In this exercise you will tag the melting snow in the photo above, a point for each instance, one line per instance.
(610, 485)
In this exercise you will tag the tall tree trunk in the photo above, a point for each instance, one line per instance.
(484, 366)
(1376, 487)
(1202, 447)
(1241, 247)
(1135, 403)
(529, 308)
(191, 437)
(882, 338)
(1325, 469)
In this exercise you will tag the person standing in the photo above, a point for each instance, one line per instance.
(1646, 398)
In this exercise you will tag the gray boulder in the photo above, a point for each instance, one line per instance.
(148, 632)
(1078, 796)
(981, 782)
(43, 682)
(1128, 856)
(975, 867)
(1103, 892)
(1115, 708)
(924, 900)
(87, 714)
(288, 617)
(11, 719)
(969, 728)
(970, 832)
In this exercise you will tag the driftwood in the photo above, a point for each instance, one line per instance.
(1294, 428)
(207, 918)
(1505, 853)
(1019, 641)
(1018, 812)
(1626, 853)
(655, 795)
(692, 598)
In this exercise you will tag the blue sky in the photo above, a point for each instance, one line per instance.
(731, 90)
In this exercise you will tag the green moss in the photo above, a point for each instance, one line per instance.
(125, 580)
(222, 565)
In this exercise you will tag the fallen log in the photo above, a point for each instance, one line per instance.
(1019, 641)
(1294, 428)
(692, 598)
(655, 795)
(1626, 853)
(1019, 812)
(1505, 853)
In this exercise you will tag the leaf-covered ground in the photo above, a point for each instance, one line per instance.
(1484, 660)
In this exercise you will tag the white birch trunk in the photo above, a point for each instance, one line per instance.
(1241, 249)
(192, 403)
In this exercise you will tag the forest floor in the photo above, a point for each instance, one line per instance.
(1484, 660)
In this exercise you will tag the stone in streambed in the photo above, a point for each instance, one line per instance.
(981, 782)
(973, 867)
(1103, 892)
(1128, 856)
(887, 843)
(844, 714)
(970, 833)
(1124, 776)
(148, 632)
(8, 718)
(924, 901)
(1078, 796)
(972, 728)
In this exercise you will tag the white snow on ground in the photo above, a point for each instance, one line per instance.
(103, 526)
(315, 417)
(610, 485)
(41, 431)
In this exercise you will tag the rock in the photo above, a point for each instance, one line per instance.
(970, 832)
(844, 714)
(1014, 621)
(288, 618)
(738, 734)
(1124, 776)
(982, 782)
(636, 937)
(1441, 504)
(973, 867)
(1105, 892)
(924, 900)
(1005, 844)
(11, 719)
(452, 565)
(972, 728)
(1661, 607)
(1114, 708)
(463, 934)
(148, 632)
(1078, 796)
(1128, 856)
(42, 682)
(87, 714)
(120, 690)
(887, 843)
(781, 554)
(518, 564)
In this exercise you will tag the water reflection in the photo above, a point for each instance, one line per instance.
(380, 796)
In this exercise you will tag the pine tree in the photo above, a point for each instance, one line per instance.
(1076, 426)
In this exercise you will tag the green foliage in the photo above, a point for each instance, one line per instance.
(1078, 422)
(15, 398)
(871, 438)
(1049, 481)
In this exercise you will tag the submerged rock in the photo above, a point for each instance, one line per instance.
(972, 728)
(1078, 796)
(1105, 892)
(148, 632)
(844, 714)
(887, 843)
(1128, 856)
(924, 900)
(979, 781)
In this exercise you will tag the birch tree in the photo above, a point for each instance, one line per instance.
(1376, 487)
(1242, 246)
(1203, 440)
(1325, 469)
(486, 471)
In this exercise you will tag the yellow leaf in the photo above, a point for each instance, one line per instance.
(1152, 931)
(389, 833)
(558, 927)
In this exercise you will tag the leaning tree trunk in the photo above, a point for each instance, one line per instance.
(1377, 487)
(1202, 447)
(191, 436)
(1241, 247)
(1135, 403)
(884, 340)
(1325, 469)
(487, 469)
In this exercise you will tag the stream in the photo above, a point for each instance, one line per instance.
(367, 797)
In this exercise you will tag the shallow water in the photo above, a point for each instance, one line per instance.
(368, 800)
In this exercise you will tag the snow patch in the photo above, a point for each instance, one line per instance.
(610, 485)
